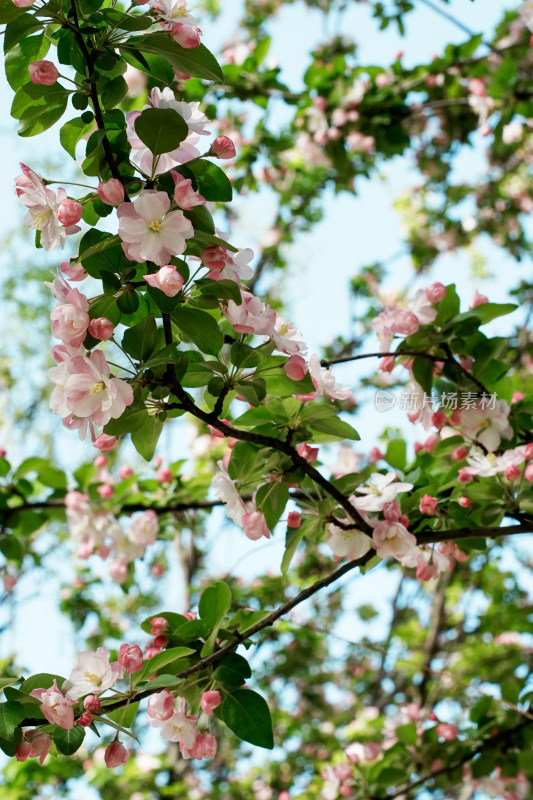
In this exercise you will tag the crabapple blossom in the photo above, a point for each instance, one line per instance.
(223, 147)
(125, 471)
(85, 720)
(205, 746)
(149, 232)
(381, 489)
(347, 543)
(43, 72)
(70, 319)
(428, 504)
(158, 625)
(101, 328)
(144, 528)
(40, 743)
(111, 192)
(237, 266)
(105, 443)
(324, 381)
(294, 519)
(447, 731)
(251, 316)
(392, 539)
(435, 292)
(43, 206)
(310, 454)
(161, 705)
(168, 280)
(287, 338)
(69, 212)
(210, 700)
(184, 194)
(488, 425)
(295, 368)
(164, 475)
(91, 392)
(93, 674)
(254, 525)
(131, 657)
(214, 257)
(56, 707)
(92, 704)
(180, 727)
(115, 755)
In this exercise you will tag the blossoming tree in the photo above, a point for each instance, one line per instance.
(176, 321)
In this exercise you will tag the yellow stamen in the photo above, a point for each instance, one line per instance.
(155, 225)
(92, 677)
(97, 388)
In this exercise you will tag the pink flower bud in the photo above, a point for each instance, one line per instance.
(157, 570)
(295, 368)
(309, 453)
(375, 455)
(387, 364)
(160, 642)
(528, 453)
(74, 272)
(428, 505)
(168, 280)
(210, 701)
(345, 791)
(465, 502)
(187, 36)
(23, 3)
(85, 719)
(343, 772)
(111, 192)
(10, 581)
(101, 328)
(164, 475)
(69, 212)
(438, 419)
(159, 625)
(105, 443)
(392, 511)
(92, 704)
(447, 731)
(131, 657)
(105, 491)
(436, 292)
(100, 461)
(464, 476)
(118, 571)
(180, 75)
(215, 257)
(512, 473)
(115, 755)
(478, 299)
(158, 461)
(460, 453)
(254, 525)
(161, 705)
(294, 519)
(517, 396)
(43, 72)
(223, 147)
(528, 473)
(125, 471)
(22, 751)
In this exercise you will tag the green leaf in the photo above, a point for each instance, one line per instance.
(198, 61)
(161, 660)
(396, 454)
(486, 312)
(105, 307)
(133, 418)
(232, 670)
(69, 740)
(114, 92)
(124, 716)
(11, 714)
(42, 680)
(38, 107)
(168, 355)
(423, 373)
(34, 48)
(246, 713)
(293, 537)
(333, 428)
(140, 341)
(448, 307)
(127, 22)
(164, 681)
(153, 65)
(213, 183)
(271, 499)
(145, 439)
(9, 11)
(115, 725)
(199, 327)
(19, 28)
(94, 243)
(71, 133)
(161, 129)
(8, 682)
(215, 602)
(407, 733)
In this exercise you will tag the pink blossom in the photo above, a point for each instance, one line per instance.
(160, 642)
(187, 36)
(43, 72)
(350, 544)
(22, 751)
(92, 704)
(428, 563)
(478, 300)
(392, 539)
(91, 392)
(70, 319)
(118, 571)
(528, 473)
(447, 731)
(387, 364)
(159, 625)
(111, 192)
(288, 338)
(237, 266)
(227, 492)
(101, 328)
(223, 147)
(164, 475)
(168, 280)
(252, 316)
(205, 746)
(436, 292)
(180, 727)
(144, 528)
(294, 519)
(115, 755)
(131, 657)
(214, 257)
(55, 706)
(184, 195)
(161, 705)
(85, 720)
(210, 700)
(149, 232)
(69, 212)
(295, 368)
(325, 382)
(254, 525)
(23, 3)
(125, 472)
(358, 753)
(105, 443)
(460, 453)
(40, 743)
(93, 674)
(428, 505)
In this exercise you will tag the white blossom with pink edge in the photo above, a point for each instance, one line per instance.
(325, 382)
(226, 491)
(237, 266)
(93, 674)
(379, 490)
(487, 425)
(288, 338)
(43, 206)
(392, 539)
(92, 392)
(70, 318)
(252, 316)
(149, 232)
(56, 707)
(486, 466)
(347, 544)
(180, 727)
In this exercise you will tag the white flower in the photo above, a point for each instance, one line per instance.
(288, 338)
(486, 466)
(488, 425)
(226, 491)
(149, 232)
(380, 489)
(93, 674)
(525, 11)
(350, 544)
(325, 382)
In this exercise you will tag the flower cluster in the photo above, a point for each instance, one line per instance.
(53, 214)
